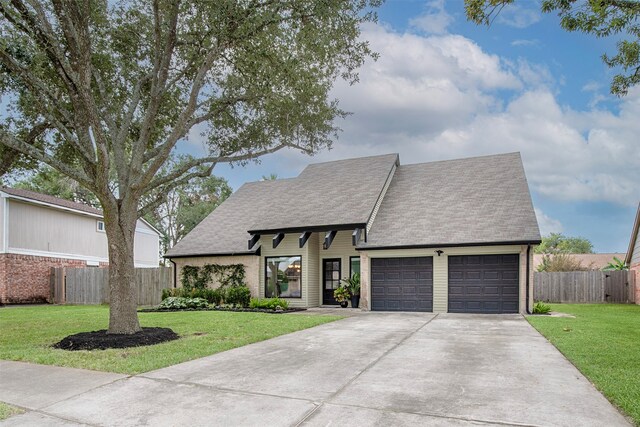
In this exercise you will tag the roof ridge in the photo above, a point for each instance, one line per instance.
(47, 198)
(484, 156)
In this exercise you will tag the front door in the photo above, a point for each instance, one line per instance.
(330, 280)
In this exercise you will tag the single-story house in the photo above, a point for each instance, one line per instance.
(588, 261)
(38, 231)
(446, 236)
(633, 253)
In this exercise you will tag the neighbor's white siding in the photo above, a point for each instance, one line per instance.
(43, 229)
(47, 231)
(146, 247)
(635, 255)
(2, 223)
(441, 268)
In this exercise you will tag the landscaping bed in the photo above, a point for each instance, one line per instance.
(602, 341)
(101, 340)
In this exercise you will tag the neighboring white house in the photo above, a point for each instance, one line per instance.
(633, 254)
(38, 232)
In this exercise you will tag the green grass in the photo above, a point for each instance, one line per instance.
(7, 410)
(603, 342)
(28, 333)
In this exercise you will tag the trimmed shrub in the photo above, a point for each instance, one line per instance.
(239, 296)
(541, 308)
(269, 303)
(181, 303)
(213, 296)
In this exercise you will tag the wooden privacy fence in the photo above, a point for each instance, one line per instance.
(584, 287)
(91, 285)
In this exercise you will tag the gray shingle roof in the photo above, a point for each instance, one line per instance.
(331, 193)
(467, 201)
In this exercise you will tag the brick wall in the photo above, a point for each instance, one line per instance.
(25, 278)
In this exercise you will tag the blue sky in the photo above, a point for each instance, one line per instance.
(445, 88)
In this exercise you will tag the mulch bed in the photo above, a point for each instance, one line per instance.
(100, 340)
(248, 310)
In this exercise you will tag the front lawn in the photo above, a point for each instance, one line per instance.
(28, 333)
(603, 342)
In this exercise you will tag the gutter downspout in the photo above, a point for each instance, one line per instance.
(528, 275)
(175, 272)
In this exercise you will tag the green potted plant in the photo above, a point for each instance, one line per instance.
(353, 286)
(342, 295)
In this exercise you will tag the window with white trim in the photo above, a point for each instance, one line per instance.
(100, 226)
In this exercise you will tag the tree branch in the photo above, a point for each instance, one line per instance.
(10, 141)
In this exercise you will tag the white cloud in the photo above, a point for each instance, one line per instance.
(518, 17)
(547, 224)
(524, 42)
(440, 97)
(435, 19)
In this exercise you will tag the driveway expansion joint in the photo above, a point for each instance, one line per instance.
(439, 415)
(365, 369)
(227, 390)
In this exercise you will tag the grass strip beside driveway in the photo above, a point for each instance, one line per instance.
(28, 333)
(7, 411)
(603, 342)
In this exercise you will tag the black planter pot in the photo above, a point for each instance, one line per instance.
(344, 304)
(355, 301)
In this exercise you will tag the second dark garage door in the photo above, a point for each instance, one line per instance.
(483, 284)
(402, 284)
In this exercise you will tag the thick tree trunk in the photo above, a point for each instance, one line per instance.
(120, 224)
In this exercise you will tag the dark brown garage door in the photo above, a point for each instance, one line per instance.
(402, 284)
(483, 284)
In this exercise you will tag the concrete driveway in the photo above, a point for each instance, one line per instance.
(371, 369)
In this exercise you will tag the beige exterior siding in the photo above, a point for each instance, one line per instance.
(251, 267)
(441, 267)
(46, 231)
(314, 270)
(312, 256)
(440, 284)
(340, 248)
(288, 247)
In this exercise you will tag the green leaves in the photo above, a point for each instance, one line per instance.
(616, 265)
(556, 243)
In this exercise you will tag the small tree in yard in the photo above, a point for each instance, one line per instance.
(104, 91)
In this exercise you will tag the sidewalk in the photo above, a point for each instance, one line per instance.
(34, 387)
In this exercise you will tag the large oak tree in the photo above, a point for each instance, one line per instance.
(105, 91)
